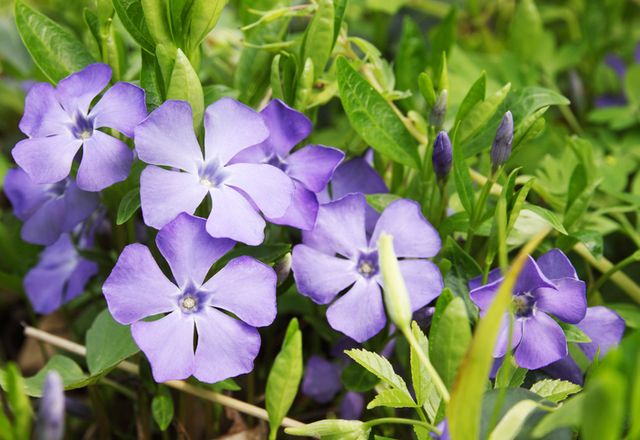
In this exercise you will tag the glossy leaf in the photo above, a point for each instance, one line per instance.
(162, 408)
(555, 390)
(108, 344)
(132, 17)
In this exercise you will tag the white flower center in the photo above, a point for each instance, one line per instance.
(189, 303)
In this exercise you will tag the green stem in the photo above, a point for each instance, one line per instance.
(401, 421)
(478, 210)
(435, 377)
(617, 267)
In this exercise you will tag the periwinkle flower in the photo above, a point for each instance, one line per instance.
(341, 257)
(605, 328)
(547, 287)
(60, 275)
(226, 346)
(238, 190)
(59, 121)
(50, 422)
(310, 167)
(321, 379)
(47, 209)
(501, 148)
(442, 155)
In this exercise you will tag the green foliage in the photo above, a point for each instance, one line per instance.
(108, 343)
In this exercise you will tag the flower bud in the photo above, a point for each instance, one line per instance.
(50, 424)
(283, 268)
(501, 149)
(396, 297)
(439, 110)
(442, 155)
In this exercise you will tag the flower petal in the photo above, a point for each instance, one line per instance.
(321, 379)
(105, 161)
(189, 249)
(302, 211)
(503, 336)
(543, 342)
(423, 280)
(46, 224)
(314, 165)
(226, 346)
(166, 138)
(531, 278)
(494, 275)
(339, 227)
(79, 278)
(605, 328)
(287, 127)
(269, 188)
(483, 296)
(355, 175)
(44, 287)
(164, 194)
(122, 107)
(137, 288)
(232, 216)
(25, 195)
(230, 127)
(47, 159)
(76, 91)
(79, 205)
(246, 288)
(555, 264)
(413, 235)
(43, 115)
(565, 369)
(319, 276)
(359, 313)
(168, 344)
(568, 303)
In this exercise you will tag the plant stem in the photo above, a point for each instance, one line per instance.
(435, 377)
(617, 267)
(401, 421)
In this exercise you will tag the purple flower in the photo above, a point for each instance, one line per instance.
(321, 379)
(310, 167)
(341, 256)
(137, 289)
(502, 143)
(548, 287)
(351, 406)
(617, 64)
(442, 155)
(60, 275)
(238, 190)
(605, 328)
(58, 122)
(49, 209)
(50, 422)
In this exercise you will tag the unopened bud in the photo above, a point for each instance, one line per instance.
(439, 110)
(396, 297)
(50, 424)
(442, 155)
(283, 268)
(501, 149)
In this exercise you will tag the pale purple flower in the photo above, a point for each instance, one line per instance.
(59, 121)
(50, 422)
(309, 167)
(321, 379)
(548, 287)
(351, 406)
(605, 328)
(47, 209)
(137, 289)
(341, 256)
(502, 143)
(238, 190)
(60, 275)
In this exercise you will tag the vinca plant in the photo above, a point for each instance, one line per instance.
(332, 219)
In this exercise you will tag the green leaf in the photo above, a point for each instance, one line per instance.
(632, 84)
(380, 367)
(18, 402)
(267, 253)
(202, 18)
(475, 95)
(550, 217)
(426, 88)
(513, 420)
(526, 31)
(318, 38)
(108, 344)
(284, 378)
(185, 85)
(55, 50)
(573, 333)
(555, 390)
(155, 13)
(480, 114)
(422, 384)
(392, 398)
(411, 58)
(444, 36)
(603, 409)
(379, 202)
(162, 408)
(568, 415)
(461, 177)
(510, 375)
(373, 118)
(128, 206)
(450, 339)
(132, 17)
(72, 376)
(333, 430)
(356, 378)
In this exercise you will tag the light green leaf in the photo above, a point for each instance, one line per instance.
(373, 118)
(318, 39)
(132, 17)
(603, 410)
(567, 415)
(422, 384)
(333, 430)
(475, 95)
(573, 333)
(550, 217)
(284, 378)
(392, 398)
(55, 50)
(72, 376)
(202, 18)
(480, 114)
(379, 202)
(555, 390)
(379, 366)
(155, 13)
(128, 206)
(185, 85)
(18, 402)
(513, 420)
(162, 408)
(108, 344)
(632, 84)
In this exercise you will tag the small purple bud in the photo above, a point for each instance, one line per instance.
(439, 110)
(50, 423)
(442, 155)
(501, 149)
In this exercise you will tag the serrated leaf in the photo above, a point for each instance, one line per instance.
(108, 344)
(555, 390)
(284, 378)
(392, 398)
(373, 118)
(162, 408)
(128, 206)
(379, 366)
(55, 50)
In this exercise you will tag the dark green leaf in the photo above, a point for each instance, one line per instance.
(128, 206)
(132, 17)
(357, 378)
(449, 340)
(475, 95)
(108, 344)
(162, 408)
